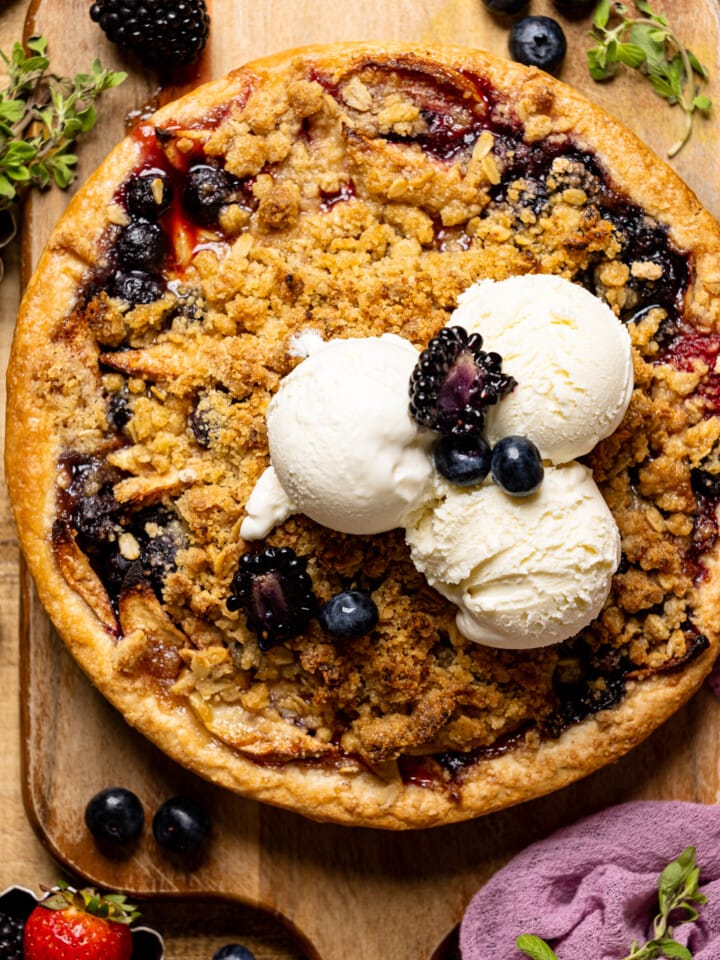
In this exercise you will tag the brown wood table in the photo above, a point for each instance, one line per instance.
(345, 890)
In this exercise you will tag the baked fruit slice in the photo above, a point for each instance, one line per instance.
(354, 190)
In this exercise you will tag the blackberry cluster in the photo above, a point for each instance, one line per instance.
(11, 937)
(161, 32)
(275, 590)
(454, 382)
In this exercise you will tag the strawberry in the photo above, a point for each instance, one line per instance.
(79, 925)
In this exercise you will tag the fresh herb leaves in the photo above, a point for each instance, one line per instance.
(41, 116)
(677, 895)
(649, 45)
(534, 947)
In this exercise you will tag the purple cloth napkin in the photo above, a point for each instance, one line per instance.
(591, 888)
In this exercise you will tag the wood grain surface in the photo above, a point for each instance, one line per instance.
(339, 892)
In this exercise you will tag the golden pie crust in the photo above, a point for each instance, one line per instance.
(378, 182)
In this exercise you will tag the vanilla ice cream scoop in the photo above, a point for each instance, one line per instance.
(523, 572)
(343, 448)
(569, 353)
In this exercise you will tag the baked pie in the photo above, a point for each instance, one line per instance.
(328, 193)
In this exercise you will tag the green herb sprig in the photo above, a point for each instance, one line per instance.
(649, 45)
(677, 895)
(41, 116)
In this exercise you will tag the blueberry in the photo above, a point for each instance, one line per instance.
(538, 42)
(505, 6)
(516, 465)
(181, 825)
(148, 195)
(136, 287)
(140, 246)
(462, 460)
(115, 816)
(207, 190)
(233, 951)
(119, 411)
(348, 614)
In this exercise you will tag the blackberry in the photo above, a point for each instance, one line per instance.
(148, 195)
(161, 32)
(11, 937)
(454, 382)
(276, 591)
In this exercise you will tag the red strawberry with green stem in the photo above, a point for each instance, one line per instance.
(79, 925)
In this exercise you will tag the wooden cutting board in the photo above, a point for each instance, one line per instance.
(343, 892)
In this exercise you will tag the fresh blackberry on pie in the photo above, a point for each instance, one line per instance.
(454, 383)
(223, 375)
(276, 592)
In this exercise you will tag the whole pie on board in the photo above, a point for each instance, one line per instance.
(354, 190)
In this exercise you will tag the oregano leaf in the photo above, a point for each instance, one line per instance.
(602, 14)
(649, 45)
(41, 116)
(674, 950)
(534, 947)
(631, 54)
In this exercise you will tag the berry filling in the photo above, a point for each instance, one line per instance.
(119, 542)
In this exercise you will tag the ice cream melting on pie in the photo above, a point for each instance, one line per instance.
(524, 571)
